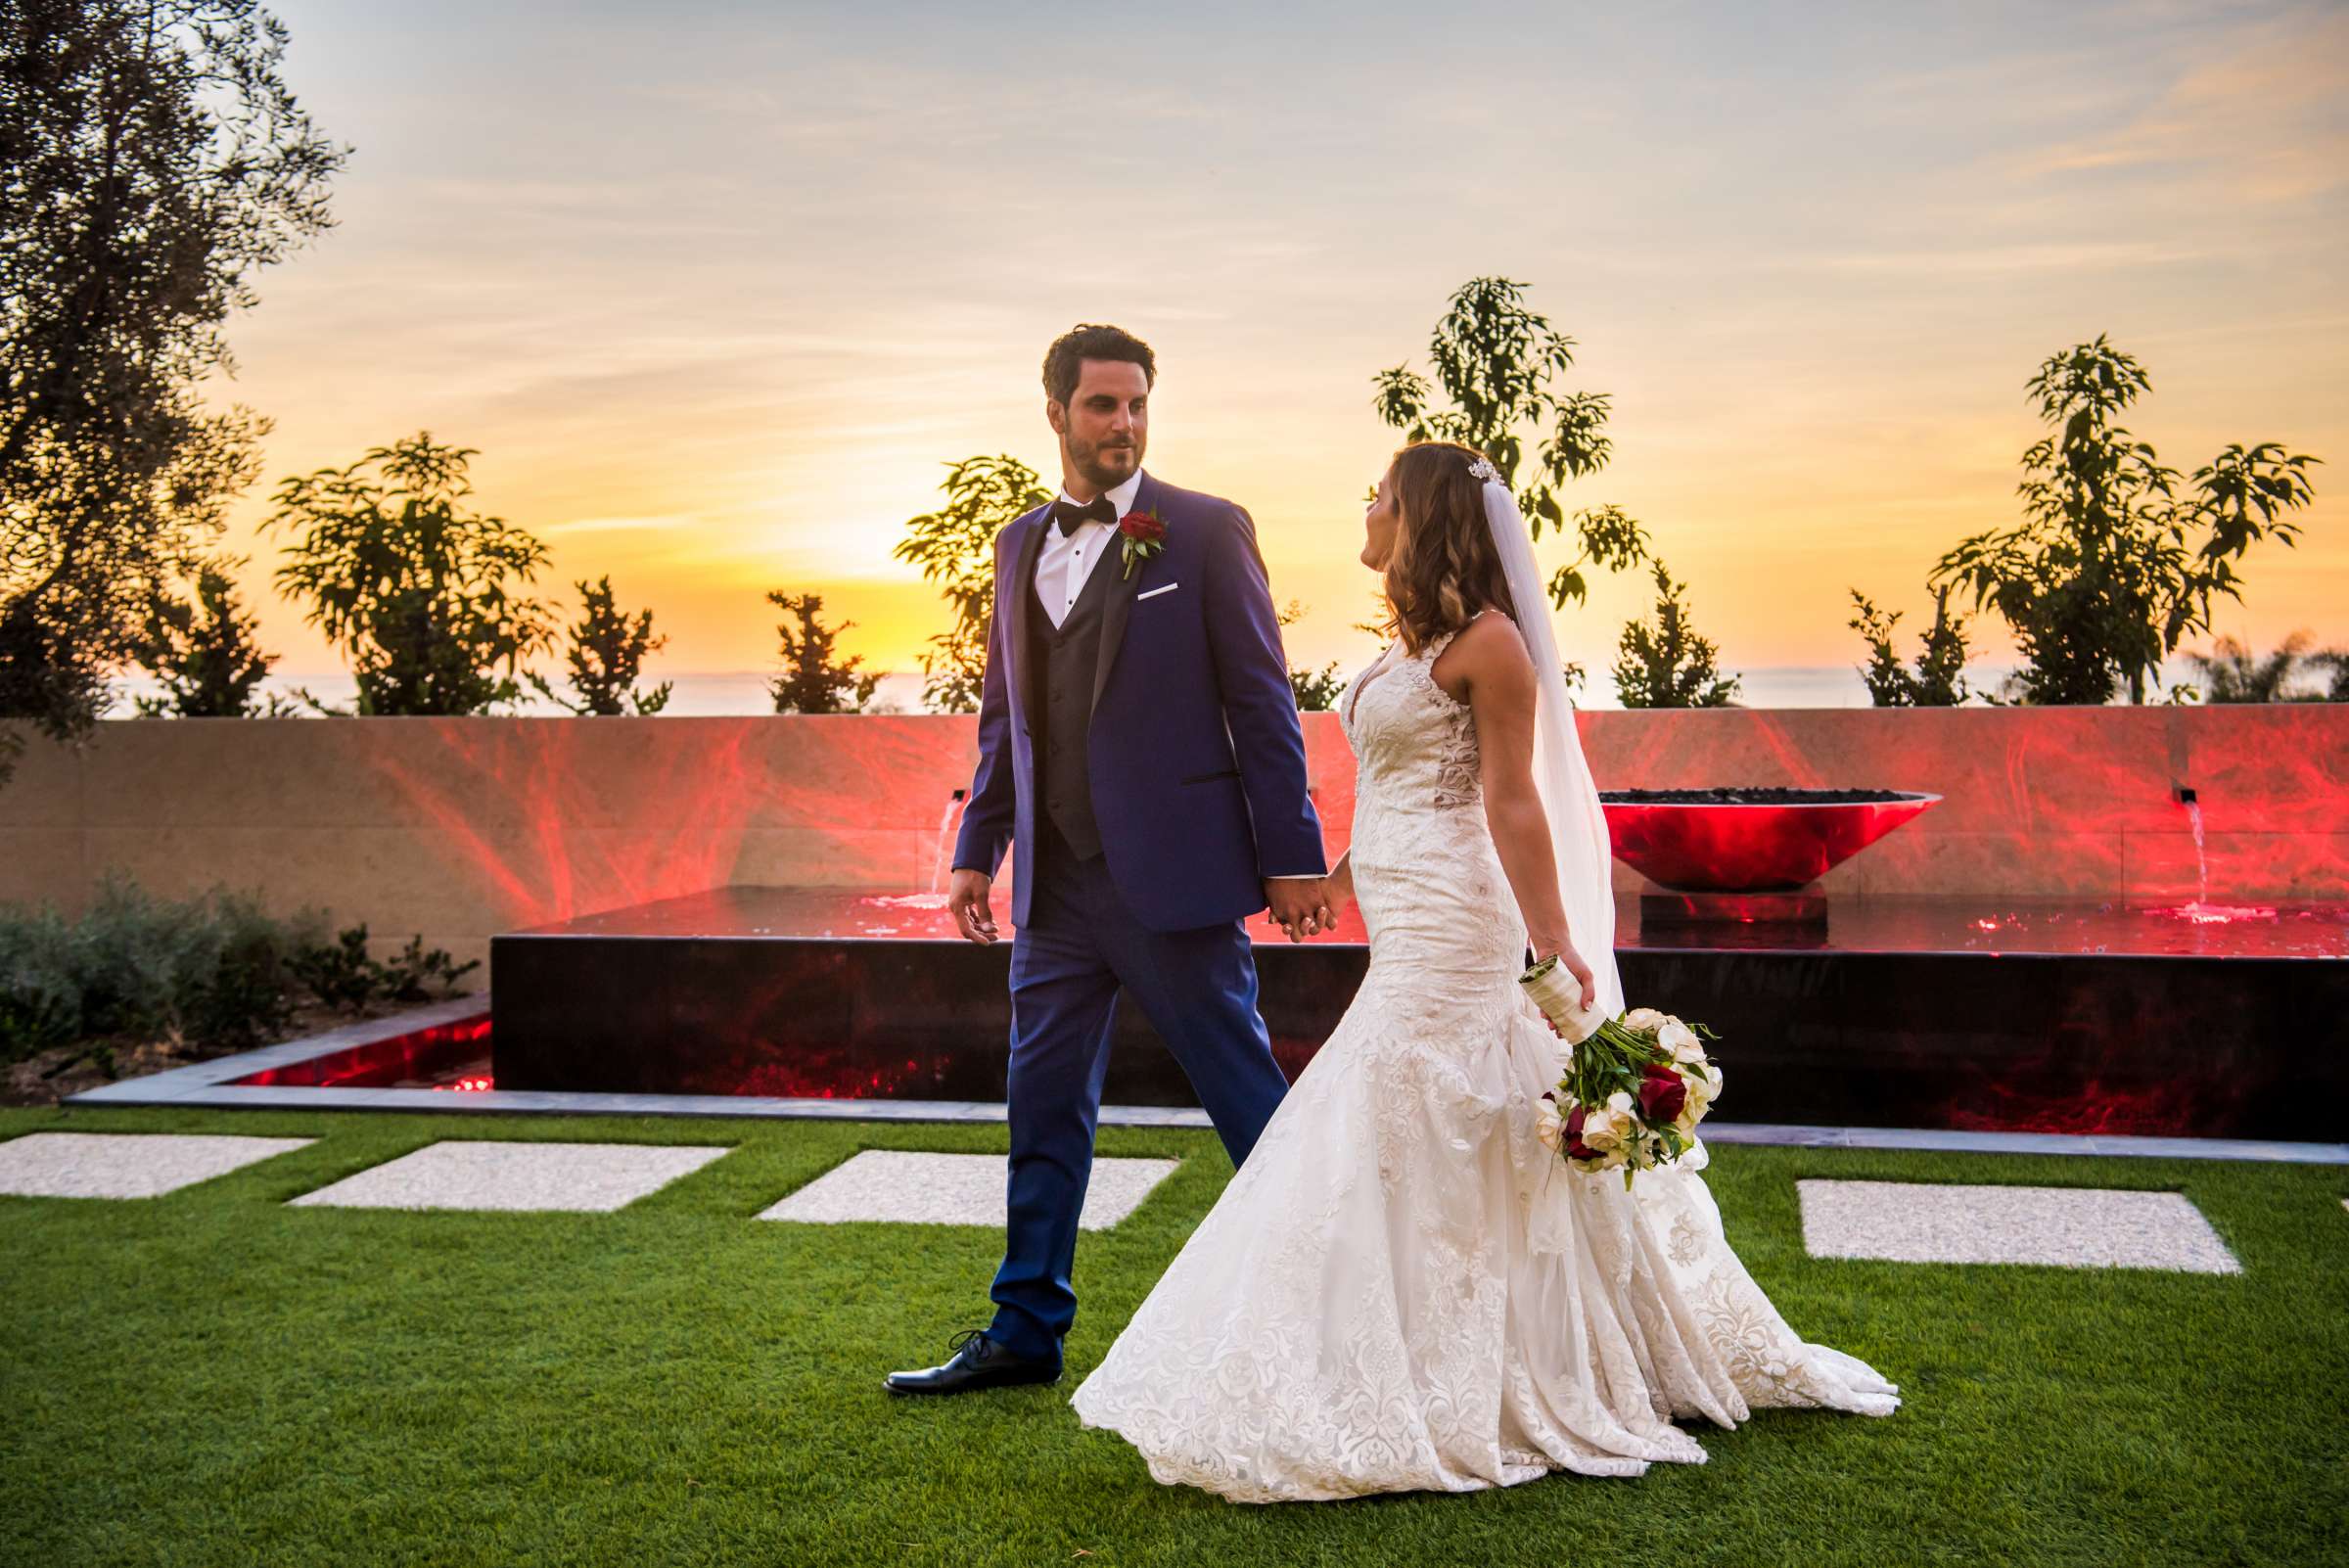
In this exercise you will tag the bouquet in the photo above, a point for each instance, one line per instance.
(1634, 1087)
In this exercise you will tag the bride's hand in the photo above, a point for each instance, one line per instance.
(1337, 892)
(1565, 954)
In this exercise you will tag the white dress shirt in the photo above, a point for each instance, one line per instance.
(1067, 561)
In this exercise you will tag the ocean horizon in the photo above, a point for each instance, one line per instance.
(701, 694)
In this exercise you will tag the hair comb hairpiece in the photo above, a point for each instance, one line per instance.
(1484, 470)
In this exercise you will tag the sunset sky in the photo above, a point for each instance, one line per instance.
(716, 289)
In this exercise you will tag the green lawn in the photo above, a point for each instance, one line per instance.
(213, 1378)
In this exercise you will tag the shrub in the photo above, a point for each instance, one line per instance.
(342, 976)
(216, 971)
(1669, 666)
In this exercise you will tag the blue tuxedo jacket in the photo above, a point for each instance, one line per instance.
(1195, 751)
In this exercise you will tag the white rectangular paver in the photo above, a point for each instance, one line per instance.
(126, 1165)
(2075, 1227)
(954, 1190)
(486, 1175)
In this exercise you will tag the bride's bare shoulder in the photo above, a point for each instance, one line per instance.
(1486, 655)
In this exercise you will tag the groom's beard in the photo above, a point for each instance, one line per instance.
(1106, 467)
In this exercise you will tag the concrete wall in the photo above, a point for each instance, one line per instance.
(458, 828)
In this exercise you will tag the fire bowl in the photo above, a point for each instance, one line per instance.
(1749, 840)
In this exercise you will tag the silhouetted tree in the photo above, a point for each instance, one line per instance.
(420, 596)
(1669, 665)
(206, 653)
(1317, 690)
(2335, 659)
(1939, 678)
(814, 680)
(2231, 674)
(954, 546)
(1497, 363)
(2113, 564)
(151, 156)
(605, 654)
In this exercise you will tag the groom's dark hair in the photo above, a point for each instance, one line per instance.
(1065, 359)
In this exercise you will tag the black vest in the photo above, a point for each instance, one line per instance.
(1061, 662)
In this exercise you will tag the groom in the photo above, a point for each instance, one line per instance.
(1140, 749)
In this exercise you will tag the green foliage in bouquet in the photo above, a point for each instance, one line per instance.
(1634, 1087)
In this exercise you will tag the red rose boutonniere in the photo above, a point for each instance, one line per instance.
(1141, 536)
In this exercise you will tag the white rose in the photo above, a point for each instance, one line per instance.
(1680, 1040)
(1603, 1129)
(1642, 1019)
(1620, 1102)
(1549, 1123)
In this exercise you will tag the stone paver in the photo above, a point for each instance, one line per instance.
(125, 1165)
(954, 1190)
(2076, 1228)
(488, 1175)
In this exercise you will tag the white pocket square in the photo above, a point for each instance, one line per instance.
(1155, 592)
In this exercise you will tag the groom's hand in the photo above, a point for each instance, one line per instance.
(1299, 905)
(966, 901)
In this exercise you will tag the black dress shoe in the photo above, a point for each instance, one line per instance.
(978, 1361)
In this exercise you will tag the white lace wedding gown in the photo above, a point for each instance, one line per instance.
(1402, 1289)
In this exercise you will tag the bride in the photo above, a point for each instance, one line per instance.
(1402, 1288)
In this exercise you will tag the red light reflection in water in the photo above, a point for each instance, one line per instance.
(419, 1054)
(2215, 915)
(2174, 1110)
(839, 1074)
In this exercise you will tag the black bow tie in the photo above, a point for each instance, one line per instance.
(1067, 514)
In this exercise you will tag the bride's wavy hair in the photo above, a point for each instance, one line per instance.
(1444, 569)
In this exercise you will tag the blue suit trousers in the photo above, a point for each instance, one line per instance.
(1198, 989)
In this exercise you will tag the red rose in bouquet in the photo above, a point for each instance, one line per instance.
(1576, 1148)
(1663, 1094)
(1632, 1088)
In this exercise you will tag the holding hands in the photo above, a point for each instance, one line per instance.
(1306, 906)
(1302, 906)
